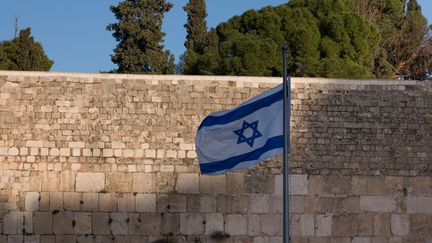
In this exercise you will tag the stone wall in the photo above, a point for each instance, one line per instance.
(110, 158)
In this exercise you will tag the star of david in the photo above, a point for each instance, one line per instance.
(255, 133)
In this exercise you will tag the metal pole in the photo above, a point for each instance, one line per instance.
(286, 148)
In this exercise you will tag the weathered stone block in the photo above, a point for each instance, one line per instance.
(377, 204)
(208, 204)
(419, 204)
(307, 223)
(63, 223)
(32, 201)
(144, 182)
(177, 203)
(146, 202)
(67, 181)
(191, 224)
(399, 224)
(100, 223)
(50, 181)
(150, 224)
(259, 183)
(235, 224)
(126, 202)
(381, 224)
(90, 182)
(170, 224)
(213, 184)
(119, 223)
(72, 201)
(187, 183)
(213, 222)
(235, 183)
(107, 202)
(345, 225)
(260, 203)
(82, 223)
(329, 185)
(271, 224)
(324, 225)
(56, 200)
(119, 182)
(90, 201)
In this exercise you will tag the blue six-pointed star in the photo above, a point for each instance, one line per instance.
(255, 134)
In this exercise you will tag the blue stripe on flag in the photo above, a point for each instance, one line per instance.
(212, 167)
(242, 111)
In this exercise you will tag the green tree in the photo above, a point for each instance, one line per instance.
(140, 37)
(201, 56)
(405, 38)
(326, 38)
(23, 53)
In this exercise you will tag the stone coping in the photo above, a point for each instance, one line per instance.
(240, 79)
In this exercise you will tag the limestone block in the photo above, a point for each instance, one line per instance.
(50, 181)
(13, 151)
(421, 186)
(107, 202)
(65, 152)
(271, 224)
(235, 224)
(100, 224)
(44, 202)
(208, 204)
(419, 204)
(56, 200)
(191, 224)
(224, 204)
(76, 152)
(76, 144)
(90, 201)
(34, 151)
(420, 225)
(47, 238)
(259, 183)
(15, 238)
(54, 152)
(361, 240)
(170, 224)
(119, 182)
(241, 204)
(145, 202)
(82, 223)
(193, 203)
(12, 223)
(31, 143)
(329, 185)
(187, 183)
(177, 203)
(381, 224)
(107, 153)
(345, 225)
(31, 239)
(399, 224)
(307, 225)
(150, 224)
(260, 203)
(235, 183)
(134, 223)
(118, 145)
(63, 223)
(165, 182)
(144, 182)
(119, 224)
(67, 181)
(72, 201)
(126, 202)
(377, 204)
(213, 184)
(324, 225)
(365, 224)
(90, 182)
(254, 224)
(42, 222)
(214, 222)
(32, 201)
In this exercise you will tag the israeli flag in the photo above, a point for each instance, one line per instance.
(243, 136)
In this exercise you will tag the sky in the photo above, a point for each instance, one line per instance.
(74, 35)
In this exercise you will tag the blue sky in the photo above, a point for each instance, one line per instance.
(73, 32)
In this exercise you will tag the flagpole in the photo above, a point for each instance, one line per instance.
(286, 147)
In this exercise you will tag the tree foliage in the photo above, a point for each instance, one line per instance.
(201, 56)
(23, 53)
(406, 45)
(140, 37)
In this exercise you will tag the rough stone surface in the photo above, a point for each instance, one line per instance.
(111, 158)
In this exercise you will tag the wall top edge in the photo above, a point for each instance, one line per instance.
(254, 79)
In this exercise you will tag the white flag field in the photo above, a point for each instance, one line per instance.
(243, 136)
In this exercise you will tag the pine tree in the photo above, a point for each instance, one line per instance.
(140, 37)
(23, 53)
(201, 56)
